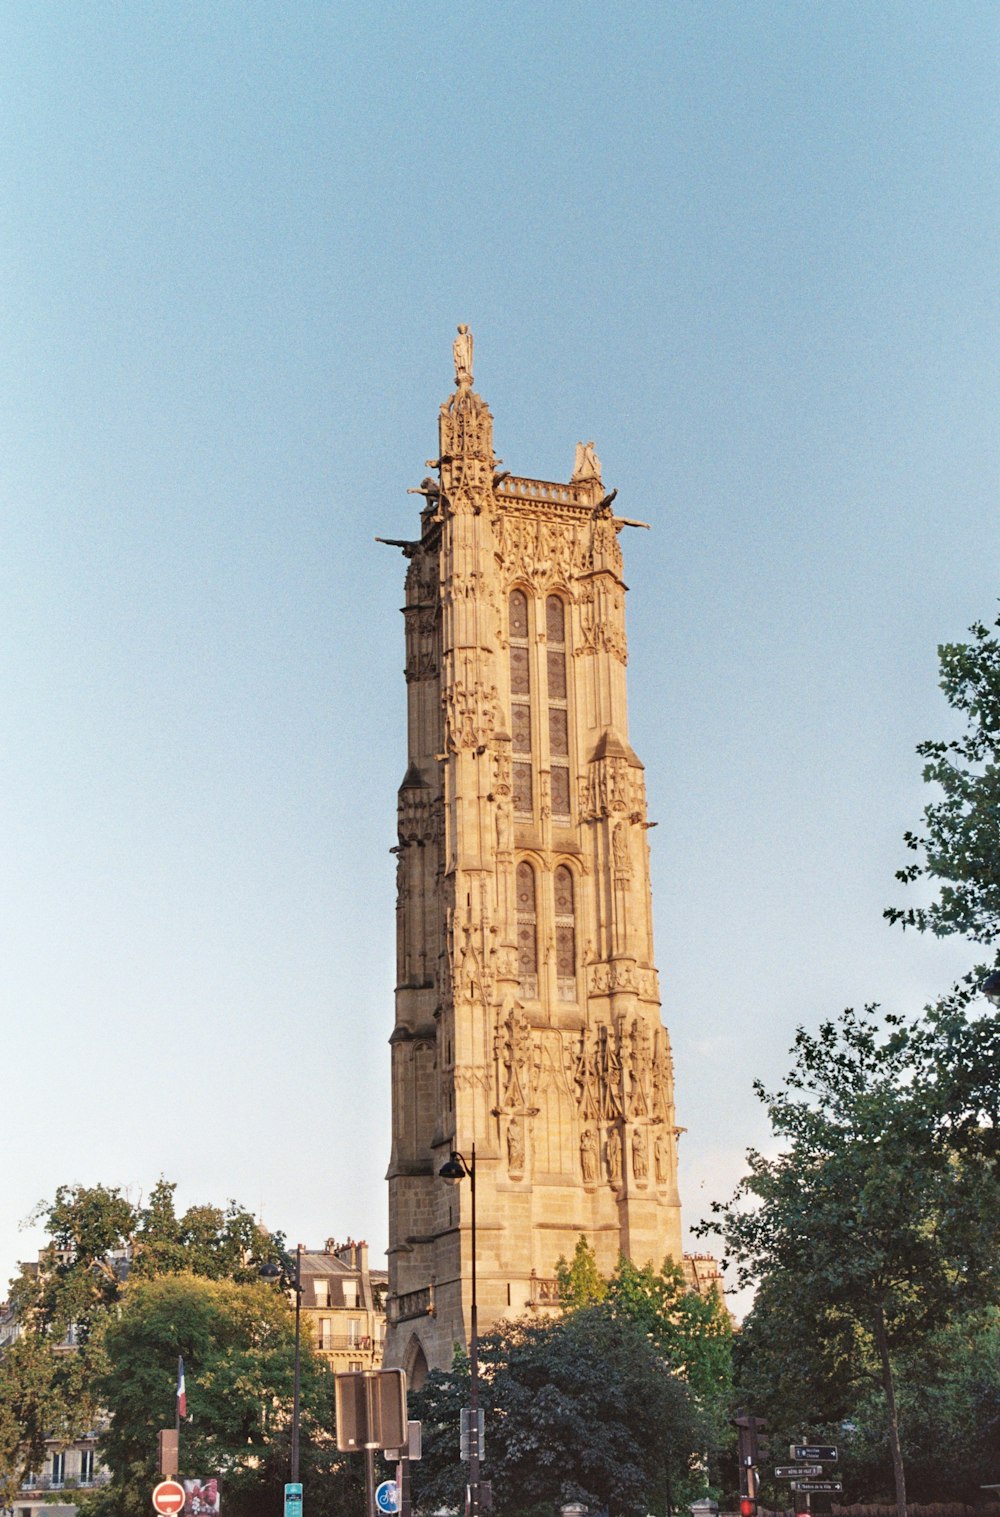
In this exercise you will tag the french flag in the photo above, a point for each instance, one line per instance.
(182, 1400)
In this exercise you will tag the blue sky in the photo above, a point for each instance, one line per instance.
(750, 250)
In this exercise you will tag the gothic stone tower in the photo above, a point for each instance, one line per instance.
(527, 1007)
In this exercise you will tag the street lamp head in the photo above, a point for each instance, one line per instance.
(270, 1271)
(991, 987)
(454, 1169)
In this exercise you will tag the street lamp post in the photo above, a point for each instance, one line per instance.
(456, 1169)
(272, 1272)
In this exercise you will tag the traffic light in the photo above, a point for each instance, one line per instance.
(747, 1429)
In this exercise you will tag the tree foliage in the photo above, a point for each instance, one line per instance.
(959, 845)
(692, 1333)
(237, 1341)
(100, 1243)
(579, 1408)
(867, 1225)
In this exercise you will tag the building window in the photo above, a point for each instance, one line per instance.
(527, 932)
(321, 1292)
(58, 1468)
(350, 1293)
(86, 1466)
(353, 1333)
(520, 700)
(555, 636)
(565, 933)
(355, 1366)
(325, 1333)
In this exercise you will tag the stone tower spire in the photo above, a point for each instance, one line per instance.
(527, 1003)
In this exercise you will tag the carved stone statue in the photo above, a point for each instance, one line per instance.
(586, 464)
(619, 847)
(588, 1154)
(505, 835)
(662, 1152)
(614, 1157)
(640, 1157)
(462, 352)
(515, 1147)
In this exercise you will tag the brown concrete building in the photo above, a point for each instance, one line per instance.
(527, 1006)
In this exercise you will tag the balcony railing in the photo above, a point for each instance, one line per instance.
(418, 1303)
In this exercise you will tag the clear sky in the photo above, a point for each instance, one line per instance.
(750, 249)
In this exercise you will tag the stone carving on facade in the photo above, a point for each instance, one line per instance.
(501, 765)
(620, 850)
(586, 1075)
(662, 1077)
(416, 817)
(515, 1048)
(604, 790)
(538, 550)
(515, 1147)
(609, 1063)
(505, 828)
(470, 714)
(614, 1157)
(602, 610)
(605, 978)
(639, 1063)
(588, 1155)
(640, 1154)
(663, 1157)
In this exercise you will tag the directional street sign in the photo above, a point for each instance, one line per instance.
(796, 1471)
(817, 1485)
(814, 1453)
(293, 1499)
(169, 1496)
(387, 1497)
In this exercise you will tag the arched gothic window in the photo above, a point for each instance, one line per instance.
(527, 931)
(520, 700)
(555, 637)
(565, 914)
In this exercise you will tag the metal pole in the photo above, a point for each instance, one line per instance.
(370, 1481)
(298, 1364)
(474, 1364)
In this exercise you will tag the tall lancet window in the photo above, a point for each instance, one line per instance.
(555, 637)
(565, 904)
(520, 701)
(527, 932)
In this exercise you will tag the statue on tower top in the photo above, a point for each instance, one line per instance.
(462, 351)
(586, 464)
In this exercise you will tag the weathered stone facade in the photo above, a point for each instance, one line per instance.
(527, 1007)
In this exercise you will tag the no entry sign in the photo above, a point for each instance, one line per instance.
(169, 1496)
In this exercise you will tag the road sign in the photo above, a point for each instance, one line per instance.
(817, 1485)
(387, 1497)
(169, 1496)
(293, 1499)
(796, 1471)
(814, 1453)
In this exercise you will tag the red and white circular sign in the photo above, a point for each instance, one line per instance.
(168, 1496)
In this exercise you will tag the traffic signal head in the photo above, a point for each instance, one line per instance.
(748, 1506)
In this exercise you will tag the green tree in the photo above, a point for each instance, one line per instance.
(100, 1239)
(580, 1408)
(237, 1344)
(959, 845)
(692, 1333)
(867, 1221)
